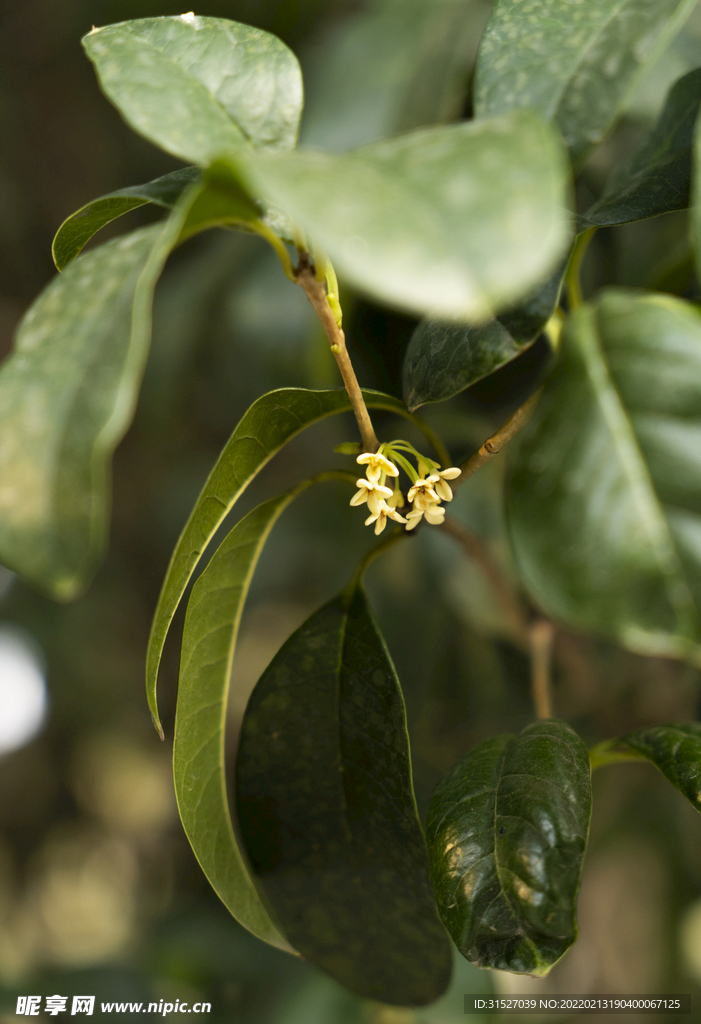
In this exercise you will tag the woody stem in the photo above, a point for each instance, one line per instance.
(316, 294)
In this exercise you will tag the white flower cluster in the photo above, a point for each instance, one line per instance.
(429, 487)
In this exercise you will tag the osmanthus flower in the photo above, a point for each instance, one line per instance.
(428, 488)
(371, 492)
(377, 464)
(422, 491)
(380, 517)
(432, 510)
(440, 482)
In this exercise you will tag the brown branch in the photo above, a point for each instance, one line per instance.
(493, 445)
(480, 553)
(316, 293)
(542, 634)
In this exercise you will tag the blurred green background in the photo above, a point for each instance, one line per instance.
(99, 892)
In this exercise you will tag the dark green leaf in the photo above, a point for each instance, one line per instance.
(270, 423)
(604, 502)
(209, 638)
(443, 358)
(674, 749)
(450, 221)
(507, 830)
(576, 63)
(67, 395)
(327, 812)
(79, 228)
(656, 178)
(199, 87)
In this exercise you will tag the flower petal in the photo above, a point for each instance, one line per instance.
(434, 515)
(452, 473)
(359, 498)
(443, 490)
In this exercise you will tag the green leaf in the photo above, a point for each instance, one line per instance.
(209, 638)
(576, 63)
(676, 751)
(415, 70)
(79, 228)
(326, 808)
(604, 502)
(445, 357)
(450, 221)
(656, 178)
(199, 87)
(221, 201)
(507, 830)
(67, 395)
(272, 421)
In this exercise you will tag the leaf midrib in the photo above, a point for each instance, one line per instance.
(621, 431)
(146, 43)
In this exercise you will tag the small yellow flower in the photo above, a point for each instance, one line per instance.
(441, 487)
(377, 464)
(373, 493)
(397, 499)
(380, 517)
(433, 511)
(422, 490)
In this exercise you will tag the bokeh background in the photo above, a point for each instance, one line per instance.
(99, 892)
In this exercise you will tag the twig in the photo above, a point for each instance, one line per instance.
(493, 445)
(542, 634)
(480, 553)
(316, 294)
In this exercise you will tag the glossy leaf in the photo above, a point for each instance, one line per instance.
(507, 829)
(79, 228)
(209, 638)
(576, 63)
(199, 87)
(443, 357)
(676, 751)
(450, 221)
(272, 421)
(604, 502)
(326, 808)
(67, 395)
(656, 178)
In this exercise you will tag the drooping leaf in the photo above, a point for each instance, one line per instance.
(199, 87)
(676, 751)
(67, 395)
(507, 829)
(451, 221)
(656, 178)
(326, 808)
(604, 501)
(445, 357)
(79, 228)
(272, 421)
(221, 202)
(415, 70)
(209, 638)
(576, 63)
